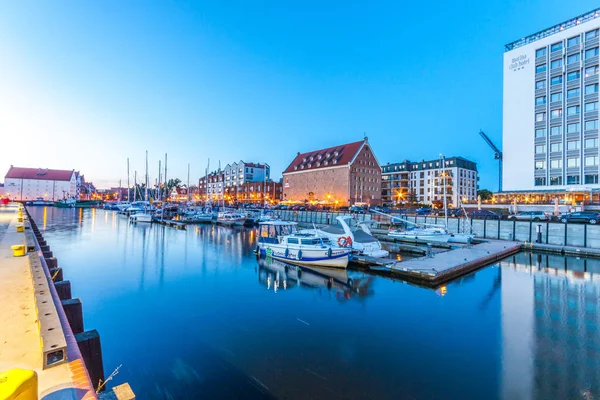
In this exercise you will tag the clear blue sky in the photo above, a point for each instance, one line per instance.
(86, 84)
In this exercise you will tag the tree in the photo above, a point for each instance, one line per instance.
(173, 183)
(485, 194)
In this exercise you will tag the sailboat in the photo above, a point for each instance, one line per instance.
(143, 215)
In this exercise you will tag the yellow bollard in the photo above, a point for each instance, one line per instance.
(20, 228)
(20, 219)
(18, 384)
(18, 250)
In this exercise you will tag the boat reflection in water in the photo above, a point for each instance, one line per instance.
(278, 275)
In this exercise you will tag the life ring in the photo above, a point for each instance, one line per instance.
(344, 241)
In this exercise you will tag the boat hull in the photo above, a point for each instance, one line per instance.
(443, 238)
(307, 257)
(141, 218)
(461, 238)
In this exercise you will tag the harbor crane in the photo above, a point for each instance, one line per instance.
(497, 156)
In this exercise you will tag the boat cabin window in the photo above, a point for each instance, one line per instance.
(292, 240)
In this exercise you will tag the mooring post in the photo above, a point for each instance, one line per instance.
(74, 313)
(538, 231)
(91, 351)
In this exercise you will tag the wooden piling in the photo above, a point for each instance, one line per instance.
(74, 313)
(91, 351)
(63, 289)
(56, 274)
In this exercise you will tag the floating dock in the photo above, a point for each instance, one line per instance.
(446, 266)
(171, 223)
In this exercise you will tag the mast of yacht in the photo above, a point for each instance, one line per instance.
(443, 162)
(128, 188)
(162, 214)
(146, 192)
(188, 184)
(158, 194)
(264, 186)
(134, 186)
(206, 182)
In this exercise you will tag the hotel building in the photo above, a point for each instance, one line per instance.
(550, 110)
(423, 182)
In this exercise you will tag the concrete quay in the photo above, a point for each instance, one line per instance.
(446, 266)
(35, 333)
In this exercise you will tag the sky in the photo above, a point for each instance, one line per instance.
(85, 85)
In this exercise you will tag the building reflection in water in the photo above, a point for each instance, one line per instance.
(550, 319)
(277, 275)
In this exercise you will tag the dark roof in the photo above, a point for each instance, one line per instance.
(39, 173)
(324, 158)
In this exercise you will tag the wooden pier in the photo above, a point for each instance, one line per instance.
(171, 223)
(446, 266)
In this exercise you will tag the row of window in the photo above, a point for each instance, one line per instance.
(572, 59)
(572, 162)
(574, 41)
(571, 128)
(571, 76)
(571, 180)
(571, 145)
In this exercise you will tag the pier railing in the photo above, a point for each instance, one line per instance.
(555, 233)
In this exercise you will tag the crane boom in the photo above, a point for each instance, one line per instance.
(497, 152)
(497, 156)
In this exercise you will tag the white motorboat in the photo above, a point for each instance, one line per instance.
(281, 240)
(434, 234)
(140, 216)
(461, 238)
(200, 217)
(360, 240)
(231, 219)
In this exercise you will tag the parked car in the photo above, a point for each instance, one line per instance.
(357, 210)
(452, 212)
(589, 217)
(484, 214)
(530, 216)
(423, 211)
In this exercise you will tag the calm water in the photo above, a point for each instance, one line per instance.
(192, 314)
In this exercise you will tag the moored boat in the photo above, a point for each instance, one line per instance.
(359, 240)
(434, 234)
(281, 240)
(231, 219)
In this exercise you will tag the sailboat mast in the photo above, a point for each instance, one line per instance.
(188, 183)
(162, 215)
(146, 193)
(135, 186)
(264, 185)
(128, 179)
(158, 190)
(443, 161)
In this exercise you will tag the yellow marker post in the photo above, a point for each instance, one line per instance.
(20, 219)
(18, 384)
(18, 250)
(20, 228)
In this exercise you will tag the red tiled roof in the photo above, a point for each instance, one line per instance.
(39, 173)
(324, 158)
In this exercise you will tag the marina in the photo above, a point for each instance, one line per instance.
(240, 341)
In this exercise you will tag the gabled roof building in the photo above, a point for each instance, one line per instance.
(340, 175)
(41, 183)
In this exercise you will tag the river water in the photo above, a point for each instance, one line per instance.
(192, 314)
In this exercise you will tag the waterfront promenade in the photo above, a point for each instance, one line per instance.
(20, 338)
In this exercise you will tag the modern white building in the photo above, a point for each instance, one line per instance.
(550, 108)
(41, 183)
(424, 181)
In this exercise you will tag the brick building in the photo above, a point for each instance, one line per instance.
(341, 175)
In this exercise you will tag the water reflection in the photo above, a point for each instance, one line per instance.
(550, 323)
(184, 313)
(277, 275)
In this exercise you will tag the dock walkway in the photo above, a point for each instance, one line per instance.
(443, 267)
(20, 336)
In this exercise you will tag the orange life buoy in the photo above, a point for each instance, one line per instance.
(344, 241)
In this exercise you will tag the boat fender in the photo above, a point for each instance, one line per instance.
(329, 252)
(286, 253)
(350, 282)
(258, 249)
(299, 254)
(299, 273)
